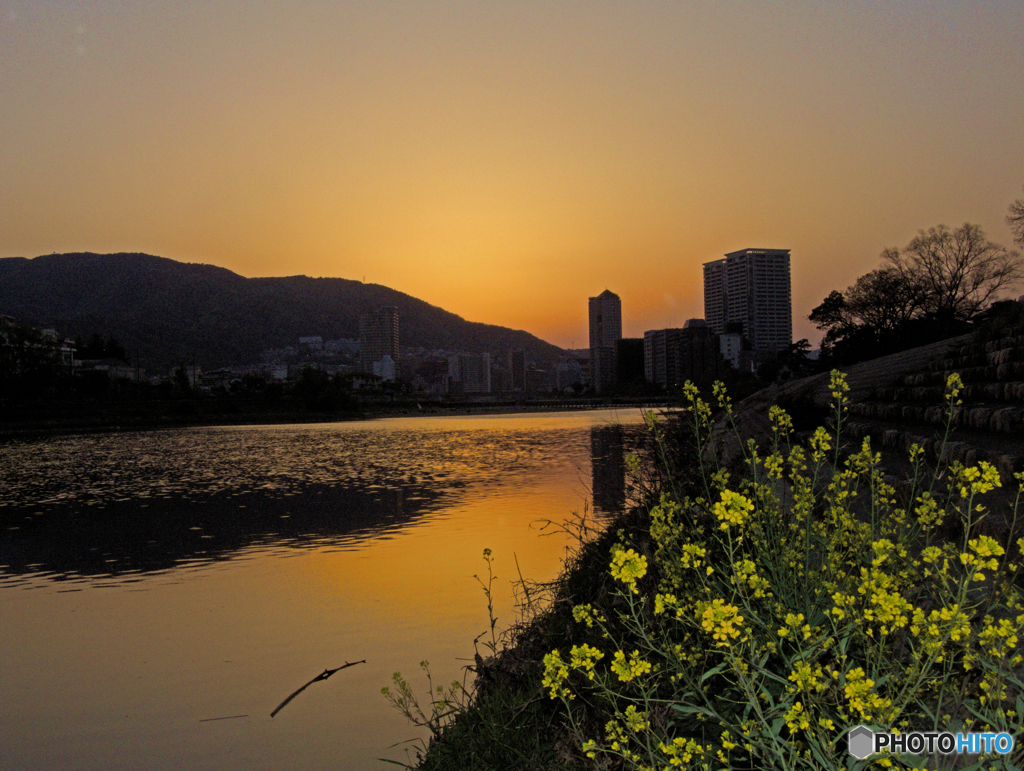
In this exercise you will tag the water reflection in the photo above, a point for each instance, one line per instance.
(118, 505)
(183, 575)
(608, 468)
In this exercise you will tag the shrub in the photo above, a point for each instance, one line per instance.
(778, 606)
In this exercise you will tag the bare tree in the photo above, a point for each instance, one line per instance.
(883, 299)
(1015, 219)
(959, 271)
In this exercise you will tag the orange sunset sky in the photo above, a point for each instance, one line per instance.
(508, 160)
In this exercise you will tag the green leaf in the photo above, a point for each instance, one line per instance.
(985, 719)
(710, 672)
(685, 709)
(777, 678)
(823, 760)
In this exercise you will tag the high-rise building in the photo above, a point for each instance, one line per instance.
(748, 293)
(629, 361)
(605, 329)
(469, 373)
(378, 337)
(517, 368)
(605, 320)
(673, 356)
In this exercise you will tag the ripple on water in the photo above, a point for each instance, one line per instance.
(150, 501)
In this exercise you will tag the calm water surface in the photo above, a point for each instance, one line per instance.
(152, 582)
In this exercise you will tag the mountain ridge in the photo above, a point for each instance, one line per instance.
(166, 312)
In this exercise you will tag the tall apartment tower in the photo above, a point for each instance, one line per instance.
(517, 369)
(605, 329)
(378, 337)
(749, 292)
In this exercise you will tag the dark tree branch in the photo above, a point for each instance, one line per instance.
(322, 676)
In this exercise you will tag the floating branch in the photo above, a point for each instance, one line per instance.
(322, 676)
(228, 717)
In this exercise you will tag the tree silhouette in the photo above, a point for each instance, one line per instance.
(926, 291)
(1015, 219)
(957, 272)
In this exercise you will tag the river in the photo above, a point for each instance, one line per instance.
(162, 592)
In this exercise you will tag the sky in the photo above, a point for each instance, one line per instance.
(507, 160)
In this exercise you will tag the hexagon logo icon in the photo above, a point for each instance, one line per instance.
(861, 741)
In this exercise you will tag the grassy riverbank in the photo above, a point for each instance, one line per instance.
(747, 617)
(55, 417)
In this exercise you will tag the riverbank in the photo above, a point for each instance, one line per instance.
(40, 420)
(747, 617)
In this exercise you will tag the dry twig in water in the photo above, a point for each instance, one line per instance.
(322, 676)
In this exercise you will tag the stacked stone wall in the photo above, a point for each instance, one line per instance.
(988, 425)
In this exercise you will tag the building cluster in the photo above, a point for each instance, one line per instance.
(748, 318)
(377, 358)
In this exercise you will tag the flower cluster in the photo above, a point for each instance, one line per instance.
(585, 614)
(628, 567)
(795, 626)
(821, 442)
(782, 423)
(732, 510)
(747, 577)
(630, 668)
(976, 480)
(838, 386)
(862, 698)
(682, 752)
(797, 719)
(954, 385)
(722, 621)
(556, 672)
(583, 658)
(809, 592)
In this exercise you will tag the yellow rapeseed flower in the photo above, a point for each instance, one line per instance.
(732, 510)
(806, 677)
(954, 385)
(629, 668)
(556, 672)
(782, 423)
(635, 720)
(796, 718)
(861, 697)
(838, 385)
(747, 576)
(820, 443)
(583, 658)
(773, 465)
(628, 567)
(585, 614)
(723, 622)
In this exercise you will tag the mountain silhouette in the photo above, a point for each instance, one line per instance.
(165, 312)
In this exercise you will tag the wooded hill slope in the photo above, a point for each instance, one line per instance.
(166, 312)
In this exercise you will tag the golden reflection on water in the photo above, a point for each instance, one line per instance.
(356, 541)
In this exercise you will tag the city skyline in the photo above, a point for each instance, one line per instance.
(503, 161)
